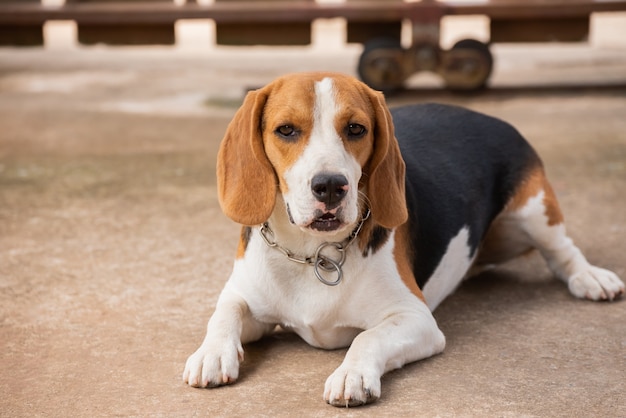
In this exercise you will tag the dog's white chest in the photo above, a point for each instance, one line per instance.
(289, 294)
(325, 336)
(293, 298)
(280, 291)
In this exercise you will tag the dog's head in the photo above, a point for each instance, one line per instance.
(325, 142)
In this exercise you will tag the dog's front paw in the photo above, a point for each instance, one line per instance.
(213, 365)
(596, 283)
(349, 386)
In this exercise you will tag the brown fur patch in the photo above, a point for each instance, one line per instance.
(385, 170)
(246, 181)
(535, 182)
(291, 103)
(403, 255)
(244, 239)
(354, 106)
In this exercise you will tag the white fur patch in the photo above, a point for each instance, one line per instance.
(450, 271)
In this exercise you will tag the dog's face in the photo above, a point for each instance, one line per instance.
(318, 142)
(325, 143)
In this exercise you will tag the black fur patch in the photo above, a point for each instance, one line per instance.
(461, 169)
(377, 239)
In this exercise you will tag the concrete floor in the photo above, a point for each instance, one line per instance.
(113, 248)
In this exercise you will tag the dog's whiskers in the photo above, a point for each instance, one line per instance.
(364, 202)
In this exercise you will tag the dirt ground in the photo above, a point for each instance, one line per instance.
(113, 248)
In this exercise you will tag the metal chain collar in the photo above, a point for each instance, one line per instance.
(319, 261)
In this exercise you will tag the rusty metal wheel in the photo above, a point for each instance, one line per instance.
(382, 64)
(467, 66)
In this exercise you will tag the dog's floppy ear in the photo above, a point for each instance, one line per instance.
(386, 170)
(246, 181)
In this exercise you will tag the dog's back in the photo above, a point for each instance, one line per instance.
(462, 168)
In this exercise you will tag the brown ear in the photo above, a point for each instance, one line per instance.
(386, 170)
(246, 181)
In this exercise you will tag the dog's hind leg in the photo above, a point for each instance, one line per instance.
(537, 215)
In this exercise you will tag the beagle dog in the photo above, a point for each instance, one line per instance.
(359, 221)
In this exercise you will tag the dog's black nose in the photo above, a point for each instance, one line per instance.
(329, 188)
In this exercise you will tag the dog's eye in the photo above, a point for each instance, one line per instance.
(286, 132)
(355, 131)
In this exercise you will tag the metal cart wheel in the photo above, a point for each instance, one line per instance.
(467, 66)
(382, 64)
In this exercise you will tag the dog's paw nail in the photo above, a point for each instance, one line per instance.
(227, 379)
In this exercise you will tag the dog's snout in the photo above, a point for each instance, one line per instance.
(329, 188)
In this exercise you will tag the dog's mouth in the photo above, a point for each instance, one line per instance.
(326, 223)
